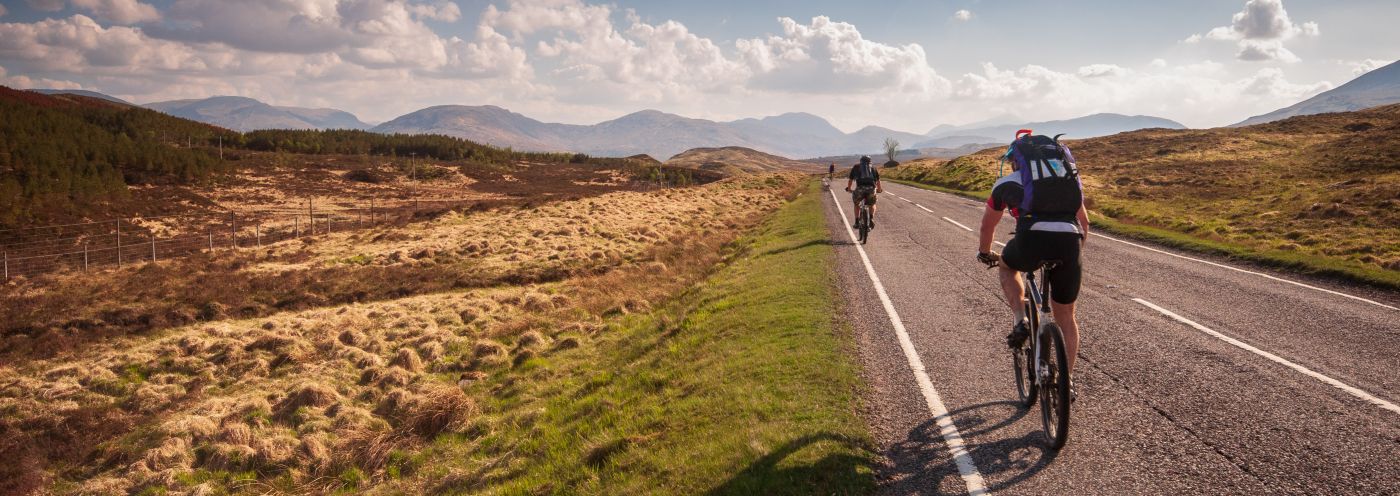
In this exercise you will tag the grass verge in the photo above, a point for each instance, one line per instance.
(741, 385)
(1295, 261)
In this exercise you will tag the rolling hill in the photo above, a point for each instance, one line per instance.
(246, 114)
(735, 160)
(1378, 87)
(86, 93)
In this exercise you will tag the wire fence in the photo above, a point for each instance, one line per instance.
(90, 246)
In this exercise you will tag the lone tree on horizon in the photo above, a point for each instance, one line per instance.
(891, 149)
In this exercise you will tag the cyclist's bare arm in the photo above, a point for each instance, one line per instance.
(879, 186)
(849, 182)
(990, 218)
(1083, 217)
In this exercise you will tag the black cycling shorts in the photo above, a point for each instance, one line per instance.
(867, 192)
(1029, 249)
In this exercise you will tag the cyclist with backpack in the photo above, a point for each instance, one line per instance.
(867, 183)
(1043, 193)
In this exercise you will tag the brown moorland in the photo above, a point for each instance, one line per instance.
(313, 366)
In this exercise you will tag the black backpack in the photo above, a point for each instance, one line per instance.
(1050, 178)
(865, 173)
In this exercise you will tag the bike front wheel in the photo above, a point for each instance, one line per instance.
(1054, 386)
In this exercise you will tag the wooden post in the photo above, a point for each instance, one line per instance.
(257, 234)
(296, 224)
(85, 257)
(233, 231)
(311, 215)
(211, 240)
(7, 266)
(119, 243)
(153, 246)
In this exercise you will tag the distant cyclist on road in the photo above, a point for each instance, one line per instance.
(831, 171)
(1043, 193)
(867, 183)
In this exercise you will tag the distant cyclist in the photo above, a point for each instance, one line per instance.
(867, 183)
(1050, 226)
(831, 171)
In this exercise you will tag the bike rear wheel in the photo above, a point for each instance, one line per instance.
(1054, 388)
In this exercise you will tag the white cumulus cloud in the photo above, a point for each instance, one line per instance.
(963, 15)
(1260, 30)
(1359, 67)
(119, 11)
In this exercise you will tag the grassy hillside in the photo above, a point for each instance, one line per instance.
(736, 160)
(500, 352)
(1318, 193)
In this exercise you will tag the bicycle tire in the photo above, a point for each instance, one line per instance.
(1055, 400)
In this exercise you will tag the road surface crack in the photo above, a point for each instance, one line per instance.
(1173, 421)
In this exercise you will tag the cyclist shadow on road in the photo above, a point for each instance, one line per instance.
(922, 463)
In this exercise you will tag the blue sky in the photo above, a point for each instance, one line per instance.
(908, 65)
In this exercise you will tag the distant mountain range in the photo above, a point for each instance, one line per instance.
(1089, 126)
(246, 114)
(650, 132)
(1378, 87)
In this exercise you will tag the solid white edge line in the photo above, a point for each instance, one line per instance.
(1223, 266)
(959, 224)
(966, 468)
(1237, 269)
(1275, 358)
(923, 207)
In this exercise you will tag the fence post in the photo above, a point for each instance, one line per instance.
(257, 234)
(7, 266)
(296, 223)
(329, 227)
(211, 240)
(119, 243)
(85, 257)
(311, 215)
(153, 247)
(233, 232)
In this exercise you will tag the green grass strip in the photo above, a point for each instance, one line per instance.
(743, 385)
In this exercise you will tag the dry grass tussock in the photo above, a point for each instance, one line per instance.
(330, 398)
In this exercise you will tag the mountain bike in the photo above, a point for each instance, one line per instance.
(1048, 380)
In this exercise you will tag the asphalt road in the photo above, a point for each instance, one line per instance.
(1301, 402)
